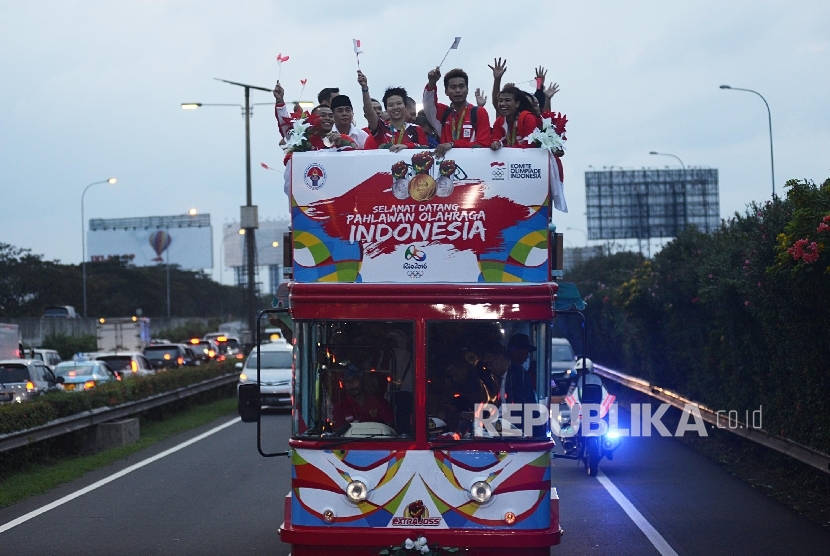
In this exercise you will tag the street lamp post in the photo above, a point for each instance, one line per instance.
(83, 235)
(248, 219)
(769, 116)
(675, 156)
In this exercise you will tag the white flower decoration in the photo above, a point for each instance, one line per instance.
(547, 137)
(409, 544)
(296, 135)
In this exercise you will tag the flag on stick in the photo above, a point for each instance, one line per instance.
(454, 46)
(280, 60)
(303, 81)
(357, 51)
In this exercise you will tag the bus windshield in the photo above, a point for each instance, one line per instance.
(487, 379)
(355, 379)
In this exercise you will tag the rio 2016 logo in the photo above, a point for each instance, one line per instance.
(413, 252)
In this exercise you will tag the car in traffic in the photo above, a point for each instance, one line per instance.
(48, 356)
(274, 373)
(60, 312)
(24, 379)
(205, 350)
(165, 356)
(190, 357)
(129, 363)
(562, 370)
(229, 346)
(84, 375)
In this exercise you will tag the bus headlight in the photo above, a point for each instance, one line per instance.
(481, 491)
(357, 491)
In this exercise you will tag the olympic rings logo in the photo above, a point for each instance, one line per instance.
(415, 273)
(413, 253)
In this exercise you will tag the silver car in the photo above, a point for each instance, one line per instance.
(275, 373)
(128, 363)
(25, 379)
(562, 361)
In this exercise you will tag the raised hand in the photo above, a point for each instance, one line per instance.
(498, 67)
(361, 80)
(481, 100)
(541, 73)
(433, 76)
(278, 92)
(552, 90)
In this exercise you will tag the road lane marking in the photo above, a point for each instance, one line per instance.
(33, 514)
(642, 523)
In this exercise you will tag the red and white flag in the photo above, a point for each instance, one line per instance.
(357, 46)
(454, 46)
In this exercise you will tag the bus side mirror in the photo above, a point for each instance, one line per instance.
(248, 403)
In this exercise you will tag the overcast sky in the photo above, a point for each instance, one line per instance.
(93, 89)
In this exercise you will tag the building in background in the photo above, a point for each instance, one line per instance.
(268, 249)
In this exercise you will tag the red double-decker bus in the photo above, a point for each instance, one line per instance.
(421, 305)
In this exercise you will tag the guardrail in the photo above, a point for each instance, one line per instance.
(797, 451)
(104, 414)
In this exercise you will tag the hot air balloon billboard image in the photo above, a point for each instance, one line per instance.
(160, 241)
(182, 240)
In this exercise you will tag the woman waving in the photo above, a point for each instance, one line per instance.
(515, 122)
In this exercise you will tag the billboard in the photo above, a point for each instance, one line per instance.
(183, 240)
(644, 204)
(379, 216)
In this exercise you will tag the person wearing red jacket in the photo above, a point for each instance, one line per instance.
(515, 122)
(323, 135)
(461, 124)
(396, 134)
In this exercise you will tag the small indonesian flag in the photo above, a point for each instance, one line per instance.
(357, 46)
(281, 58)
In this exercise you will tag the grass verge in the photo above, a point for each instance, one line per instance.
(38, 478)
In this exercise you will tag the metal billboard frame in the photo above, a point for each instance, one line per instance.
(651, 203)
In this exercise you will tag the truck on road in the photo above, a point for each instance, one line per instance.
(9, 341)
(123, 334)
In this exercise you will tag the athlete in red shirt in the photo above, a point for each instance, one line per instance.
(398, 133)
(516, 120)
(456, 123)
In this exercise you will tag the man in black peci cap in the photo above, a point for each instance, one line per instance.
(341, 105)
(514, 386)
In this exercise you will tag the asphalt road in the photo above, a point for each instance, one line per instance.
(219, 496)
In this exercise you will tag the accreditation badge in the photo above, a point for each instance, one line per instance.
(468, 131)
